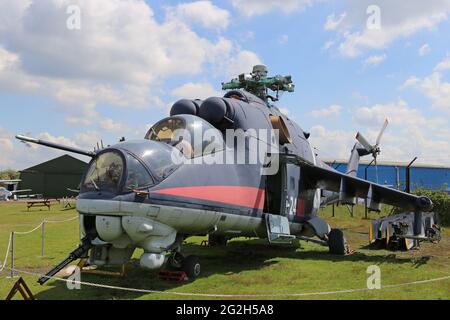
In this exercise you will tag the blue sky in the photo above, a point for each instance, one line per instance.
(120, 72)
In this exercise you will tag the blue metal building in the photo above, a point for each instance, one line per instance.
(393, 174)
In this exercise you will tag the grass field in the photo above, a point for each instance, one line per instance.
(245, 266)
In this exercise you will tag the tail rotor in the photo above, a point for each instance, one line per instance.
(373, 149)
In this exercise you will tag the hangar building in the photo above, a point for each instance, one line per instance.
(52, 178)
(393, 174)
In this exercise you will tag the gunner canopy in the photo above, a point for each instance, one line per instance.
(131, 165)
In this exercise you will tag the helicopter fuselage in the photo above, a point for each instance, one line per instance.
(196, 197)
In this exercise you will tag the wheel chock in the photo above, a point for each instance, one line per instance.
(169, 275)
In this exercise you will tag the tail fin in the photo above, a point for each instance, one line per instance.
(358, 151)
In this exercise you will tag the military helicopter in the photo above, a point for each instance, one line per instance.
(155, 192)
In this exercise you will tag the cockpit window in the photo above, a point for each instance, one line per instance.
(159, 158)
(163, 160)
(137, 176)
(105, 173)
(164, 130)
(192, 135)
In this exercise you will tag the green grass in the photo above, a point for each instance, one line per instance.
(245, 266)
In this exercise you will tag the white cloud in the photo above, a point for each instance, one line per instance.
(201, 90)
(88, 139)
(433, 86)
(356, 95)
(331, 111)
(410, 82)
(201, 12)
(243, 62)
(443, 65)
(18, 156)
(57, 139)
(410, 133)
(6, 149)
(283, 39)
(398, 113)
(333, 144)
(122, 55)
(333, 21)
(424, 50)
(327, 45)
(437, 90)
(375, 60)
(397, 21)
(11, 76)
(259, 7)
(112, 126)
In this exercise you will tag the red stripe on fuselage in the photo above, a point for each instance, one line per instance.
(250, 197)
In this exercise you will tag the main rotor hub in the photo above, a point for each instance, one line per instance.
(258, 83)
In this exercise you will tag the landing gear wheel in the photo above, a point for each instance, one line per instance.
(337, 242)
(175, 261)
(191, 266)
(216, 241)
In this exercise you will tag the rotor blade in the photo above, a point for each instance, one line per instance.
(56, 146)
(385, 124)
(364, 142)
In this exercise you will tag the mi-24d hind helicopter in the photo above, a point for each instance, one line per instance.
(155, 192)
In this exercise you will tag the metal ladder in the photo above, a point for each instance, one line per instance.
(278, 231)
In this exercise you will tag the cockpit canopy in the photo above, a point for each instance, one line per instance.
(139, 164)
(131, 165)
(192, 135)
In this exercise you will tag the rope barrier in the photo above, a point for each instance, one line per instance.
(97, 285)
(207, 295)
(43, 221)
(7, 252)
(28, 232)
(13, 233)
(59, 221)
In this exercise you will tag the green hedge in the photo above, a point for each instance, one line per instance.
(9, 175)
(441, 204)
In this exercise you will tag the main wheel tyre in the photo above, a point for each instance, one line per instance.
(337, 242)
(191, 266)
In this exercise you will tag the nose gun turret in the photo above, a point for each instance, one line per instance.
(76, 254)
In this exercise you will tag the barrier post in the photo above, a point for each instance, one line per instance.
(43, 237)
(12, 254)
(366, 210)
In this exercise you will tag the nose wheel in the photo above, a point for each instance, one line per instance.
(189, 264)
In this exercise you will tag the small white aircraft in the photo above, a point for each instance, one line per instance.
(5, 194)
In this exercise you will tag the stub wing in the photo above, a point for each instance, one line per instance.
(350, 188)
